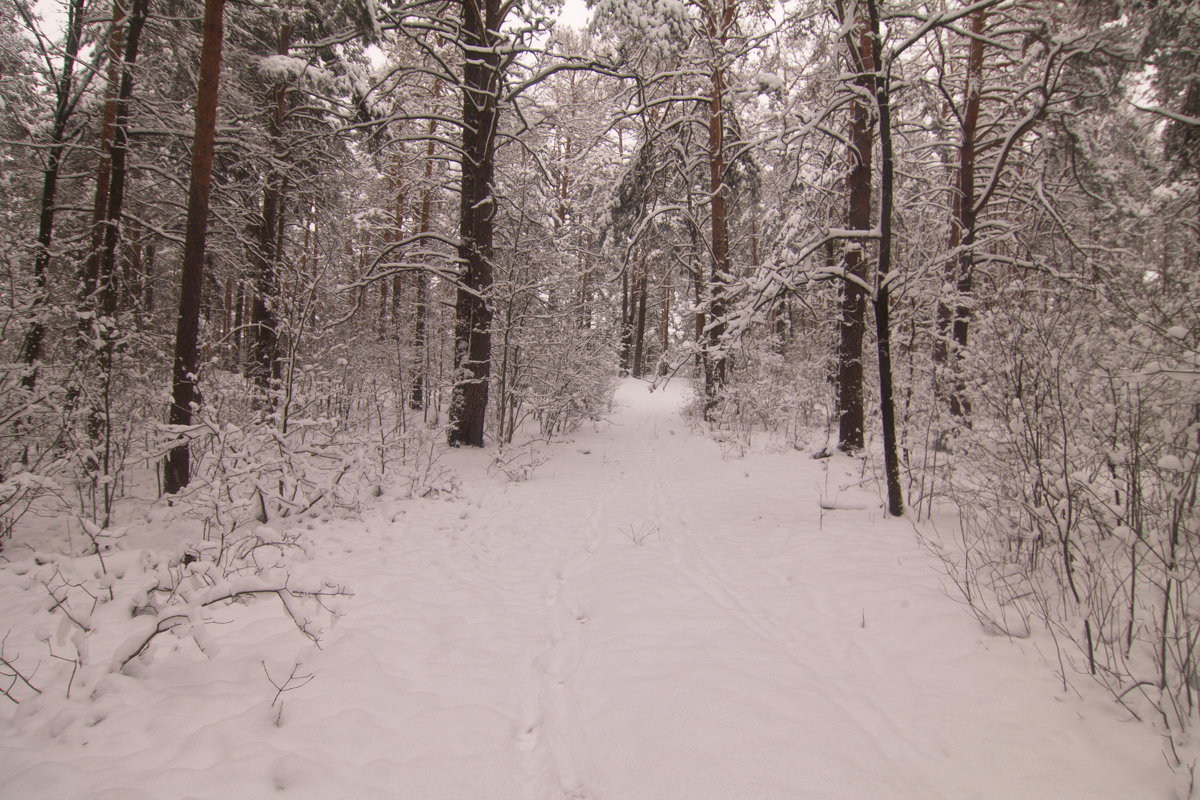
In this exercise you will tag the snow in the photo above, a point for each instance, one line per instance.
(640, 618)
(1170, 463)
(768, 82)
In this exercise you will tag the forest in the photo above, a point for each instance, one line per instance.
(269, 257)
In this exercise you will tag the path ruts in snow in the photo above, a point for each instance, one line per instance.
(641, 619)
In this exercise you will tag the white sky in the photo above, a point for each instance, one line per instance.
(575, 13)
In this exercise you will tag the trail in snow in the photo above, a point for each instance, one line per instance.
(641, 619)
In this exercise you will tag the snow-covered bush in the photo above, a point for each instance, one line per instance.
(1078, 492)
(109, 612)
(552, 371)
(779, 383)
(345, 441)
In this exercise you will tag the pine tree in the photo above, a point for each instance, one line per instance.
(184, 396)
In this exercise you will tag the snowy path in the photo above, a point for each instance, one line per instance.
(641, 619)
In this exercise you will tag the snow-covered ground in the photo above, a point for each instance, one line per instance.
(640, 619)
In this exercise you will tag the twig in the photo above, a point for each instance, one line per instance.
(286, 686)
(16, 675)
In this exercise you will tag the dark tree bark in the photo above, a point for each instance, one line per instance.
(718, 22)
(954, 323)
(106, 290)
(31, 346)
(103, 328)
(147, 294)
(227, 309)
(105, 305)
(398, 233)
(482, 68)
(639, 329)
(265, 366)
(664, 325)
(627, 304)
(850, 409)
(887, 408)
(585, 289)
(183, 380)
(116, 52)
(239, 321)
(698, 288)
(384, 293)
(420, 338)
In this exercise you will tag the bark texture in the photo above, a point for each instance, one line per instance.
(883, 335)
(177, 469)
(264, 362)
(954, 321)
(850, 408)
(472, 313)
(718, 24)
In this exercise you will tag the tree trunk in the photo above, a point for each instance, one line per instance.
(265, 367)
(420, 338)
(147, 297)
(103, 321)
(627, 302)
(585, 289)
(116, 52)
(850, 410)
(715, 362)
(183, 382)
(698, 288)
(481, 36)
(397, 280)
(227, 309)
(31, 346)
(953, 323)
(103, 327)
(381, 325)
(639, 331)
(664, 325)
(239, 321)
(887, 410)
(106, 290)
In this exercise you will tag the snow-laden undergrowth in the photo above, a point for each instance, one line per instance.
(627, 615)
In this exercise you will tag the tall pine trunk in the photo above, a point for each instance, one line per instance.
(627, 303)
(718, 26)
(639, 328)
(104, 319)
(106, 288)
(664, 324)
(183, 380)
(472, 312)
(850, 406)
(420, 338)
(954, 322)
(116, 53)
(265, 367)
(887, 409)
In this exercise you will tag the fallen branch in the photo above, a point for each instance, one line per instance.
(135, 648)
